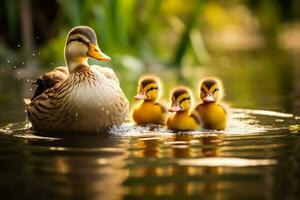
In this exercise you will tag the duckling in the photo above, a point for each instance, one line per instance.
(78, 97)
(183, 119)
(150, 110)
(212, 114)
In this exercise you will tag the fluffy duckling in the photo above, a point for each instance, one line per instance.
(150, 110)
(183, 119)
(212, 114)
(78, 97)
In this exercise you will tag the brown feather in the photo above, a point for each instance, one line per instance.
(49, 79)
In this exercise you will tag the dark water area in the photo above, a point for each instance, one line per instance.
(256, 157)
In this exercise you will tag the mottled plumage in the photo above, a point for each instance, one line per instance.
(87, 99)
(49, 79)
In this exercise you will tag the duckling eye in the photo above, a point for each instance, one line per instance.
(152, 88)
(217, 89)
(184, 99)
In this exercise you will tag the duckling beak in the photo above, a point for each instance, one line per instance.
(95, 52)
(140, 96)
(209, 98)
(175, 108)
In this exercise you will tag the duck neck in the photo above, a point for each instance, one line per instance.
(73, 63)
(210, 103)
(184, 112)
(150, 101)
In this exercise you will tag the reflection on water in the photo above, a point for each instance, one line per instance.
(154, 163)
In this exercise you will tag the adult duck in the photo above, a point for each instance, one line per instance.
(78, 97)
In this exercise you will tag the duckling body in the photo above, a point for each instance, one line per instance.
(88, 99)
(149, 110)
(212, 114)
(183, 119)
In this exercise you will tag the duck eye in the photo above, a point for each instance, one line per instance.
(184, 99)
(217, 89)
(80, 40)
(152, 88)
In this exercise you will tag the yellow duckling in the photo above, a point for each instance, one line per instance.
(149, 111)
(183, 119)
(212, 114)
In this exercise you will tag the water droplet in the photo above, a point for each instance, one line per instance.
(19, 45)
(30, 89)
(33, 54)
(76, 114)
(8, 61)
(103, 109)
(107, 112)
(19, 72)
(15, 67)
(23, 63)
(99, 103)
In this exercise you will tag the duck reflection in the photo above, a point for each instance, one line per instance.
(157, 172)
(195, 147)
(82, 167)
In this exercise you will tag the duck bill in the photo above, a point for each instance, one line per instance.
(95, 52)
(140, 96)
(209, 98)
(175, 108)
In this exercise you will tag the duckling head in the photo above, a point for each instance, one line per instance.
(81, 44)
(181, 100)
(210, 90)
(149, 89)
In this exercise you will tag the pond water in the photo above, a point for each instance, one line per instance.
(257, 157)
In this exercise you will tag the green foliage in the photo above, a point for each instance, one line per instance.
(128, 27)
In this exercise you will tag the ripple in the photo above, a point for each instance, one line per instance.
(241, 121)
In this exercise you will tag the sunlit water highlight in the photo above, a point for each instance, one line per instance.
(258, 150)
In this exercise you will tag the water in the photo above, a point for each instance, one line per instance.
(257, 157)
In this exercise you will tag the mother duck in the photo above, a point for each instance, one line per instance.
(78, 97)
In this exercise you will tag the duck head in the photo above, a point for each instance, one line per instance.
(181, 100)
(81, 44)
(209, 90)
(148, 89)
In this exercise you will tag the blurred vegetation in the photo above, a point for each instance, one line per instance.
(147, 30)
(180, 41)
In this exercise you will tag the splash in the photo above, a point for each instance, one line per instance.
(241, 121)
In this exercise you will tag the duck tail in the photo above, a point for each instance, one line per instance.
(27, 101)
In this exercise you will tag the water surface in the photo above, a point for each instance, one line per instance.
(257, 157)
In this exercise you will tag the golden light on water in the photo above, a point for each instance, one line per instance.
(262, 112)
(226, 162)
